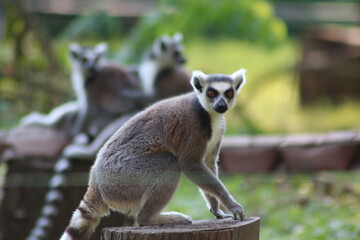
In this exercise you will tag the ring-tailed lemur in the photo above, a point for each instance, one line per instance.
(138, 169)
(162, 75)
(102, 88)
(98, 87)
(161, 70)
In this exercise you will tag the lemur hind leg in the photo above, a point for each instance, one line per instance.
(86, 217)
(150, 212)
(158, 195)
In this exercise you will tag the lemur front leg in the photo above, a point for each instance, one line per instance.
(210, 161)
(206, 180)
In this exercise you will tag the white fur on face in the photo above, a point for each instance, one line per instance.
(201, 82)
(221, 87)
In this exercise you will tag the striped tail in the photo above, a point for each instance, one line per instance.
(53, 199)
(90, 209)
(86, 217)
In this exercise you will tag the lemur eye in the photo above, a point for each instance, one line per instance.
(211, 93)
(229, 94)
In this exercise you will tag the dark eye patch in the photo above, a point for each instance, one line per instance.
(176, 54)
(229, 93)
(211, 93)
(84, 59)
(163, 46)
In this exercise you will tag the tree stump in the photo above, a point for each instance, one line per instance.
(215, 229)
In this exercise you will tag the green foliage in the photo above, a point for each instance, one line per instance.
(97, 25)
(269, 103)
(241, 19)
(319, 206)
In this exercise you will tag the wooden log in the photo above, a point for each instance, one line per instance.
(214, 229)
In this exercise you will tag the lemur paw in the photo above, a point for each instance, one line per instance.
(178, 218)
(238, 212)
(219, 214)
(167, 218)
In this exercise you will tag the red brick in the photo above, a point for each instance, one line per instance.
(317, 158)
(248, 160)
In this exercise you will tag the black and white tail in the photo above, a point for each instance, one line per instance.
(53, 199)
(86, 217)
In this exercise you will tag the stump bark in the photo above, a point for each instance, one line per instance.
(215, 229)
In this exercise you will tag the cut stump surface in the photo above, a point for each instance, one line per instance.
(214, 229)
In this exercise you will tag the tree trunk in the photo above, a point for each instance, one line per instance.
(225, 229)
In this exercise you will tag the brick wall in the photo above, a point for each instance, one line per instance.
(292, 153)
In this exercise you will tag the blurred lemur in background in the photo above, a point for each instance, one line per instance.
(98, 87)
(99, 90)
(161, 73)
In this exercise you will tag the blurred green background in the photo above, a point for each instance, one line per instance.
(220, 36)
(265, 37)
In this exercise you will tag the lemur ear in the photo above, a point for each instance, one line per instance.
(163, 46)
(163, 42)
(177, 37)
(101, 48)
(198, 80)
(239, 78)
(74, 50)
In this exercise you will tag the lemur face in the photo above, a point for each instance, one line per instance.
(87, 59)
(168, 50)
(217, 93)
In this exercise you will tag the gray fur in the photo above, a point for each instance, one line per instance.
(138, 169)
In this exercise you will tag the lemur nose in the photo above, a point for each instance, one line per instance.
(181, 60)
(221, 106)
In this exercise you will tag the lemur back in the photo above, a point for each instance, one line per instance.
(138, 169)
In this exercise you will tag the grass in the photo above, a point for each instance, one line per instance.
(291, 207)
